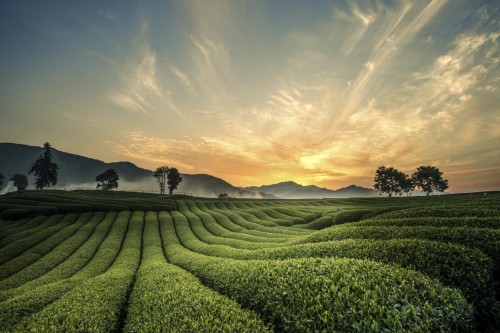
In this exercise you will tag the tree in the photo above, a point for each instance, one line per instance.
(160, 175)
(44, 169)
(20, 181)
(223, 196)
(1, 180)
(428, 179)
(389, 180)
(107, 180)
(173, 179)
(408, 185)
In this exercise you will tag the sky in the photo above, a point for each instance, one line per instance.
(259, 91)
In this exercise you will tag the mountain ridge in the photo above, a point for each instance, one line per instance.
(292, 190)
(77, 171)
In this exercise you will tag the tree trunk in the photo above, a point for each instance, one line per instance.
(170, 190)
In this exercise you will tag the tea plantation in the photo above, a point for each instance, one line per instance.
(91, 261)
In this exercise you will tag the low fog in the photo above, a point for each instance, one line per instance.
(148, 185)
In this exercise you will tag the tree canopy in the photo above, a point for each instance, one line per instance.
(1, 180)
(173, 180)
(44, 169)
(20, 181)
(160, 175)
(408, 185)
(429, 179)
(107, 180)
(389, 180)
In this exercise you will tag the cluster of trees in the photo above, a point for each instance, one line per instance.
(43, 168)
(167, 177)
(108, 180)
(19, 181)
(394, 182)
(45, 171)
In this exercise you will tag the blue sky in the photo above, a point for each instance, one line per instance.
(320, 92)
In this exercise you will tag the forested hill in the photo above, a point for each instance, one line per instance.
(77, 171)
(73, 169)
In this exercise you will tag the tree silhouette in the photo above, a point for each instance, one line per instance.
(1, 180)
(44, 169)
(408, 185)
(107, 180)
(20, 181)
(389, 180)
(428, 179)
(173, 180)
(160, 175)
(223, 196)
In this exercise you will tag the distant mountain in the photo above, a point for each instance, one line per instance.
(77, 171)
(292, 190)
(73, 169)
(210, 186)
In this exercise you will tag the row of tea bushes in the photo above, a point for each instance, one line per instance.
(50, 272)
(96, 304)
(17, 205)
(180, 302)
(312, 294)
(29, 302)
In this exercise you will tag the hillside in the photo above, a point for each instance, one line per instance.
(106, 263)
(79, 172)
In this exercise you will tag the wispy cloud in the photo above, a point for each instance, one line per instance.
(231, 89)
(142, 90)
(83, 119)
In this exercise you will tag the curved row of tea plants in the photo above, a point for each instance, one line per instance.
(312, 294)
(17, 205)
(233, 265)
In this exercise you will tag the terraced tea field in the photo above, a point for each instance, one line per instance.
(123, 262)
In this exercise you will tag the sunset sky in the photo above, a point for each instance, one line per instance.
(259, 91)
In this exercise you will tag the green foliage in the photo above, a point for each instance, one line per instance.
(249, 265)
(73, 237)
(20, 181)
(24, 304)
(15, 213)
(429, 179)
(67, 258)
(44, 169)
(50, 202)
(432, 221)
(33, 225)
(308, 295)
(336, 218)
(108, 180)
(181, 302)
(24, 252)
(160, 174)
(173, 180)
(94, 305)
(390, 180)
(486, 240)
